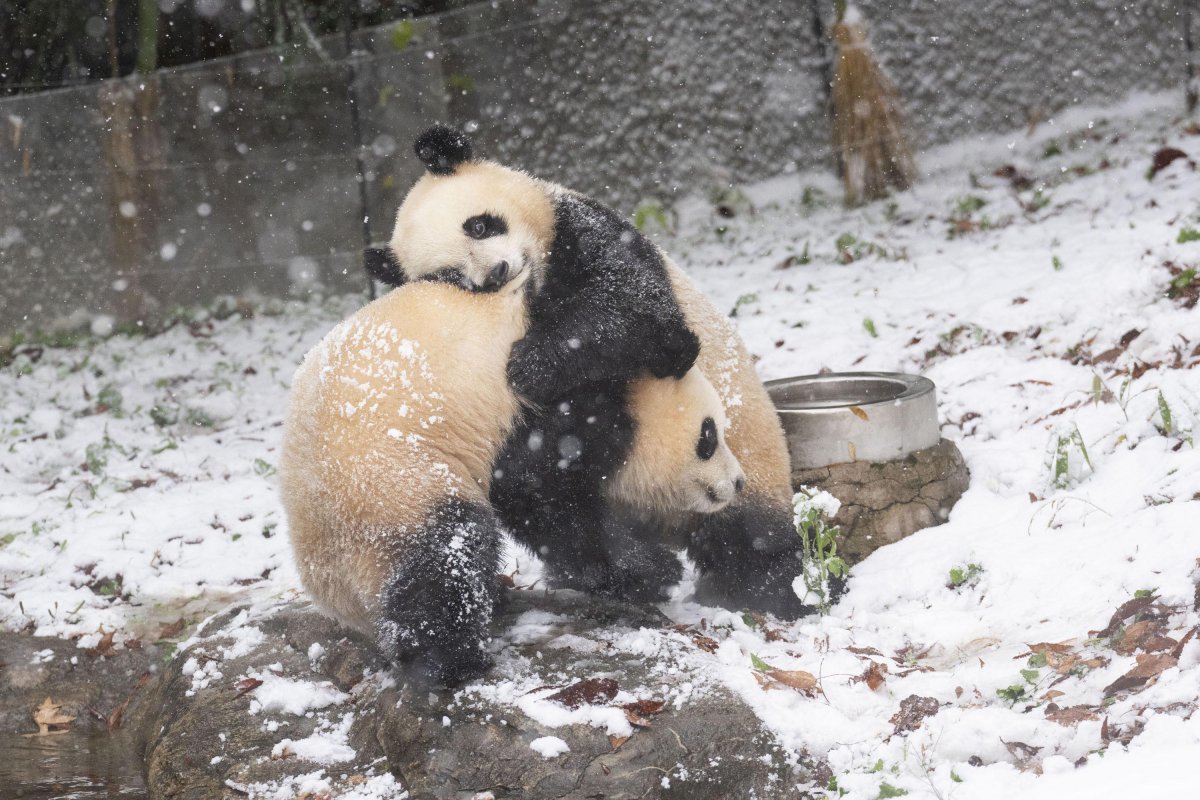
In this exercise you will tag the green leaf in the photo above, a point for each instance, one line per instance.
(887, 790)
(749, 620)
(262, 468)
(1057, 263)
(402, 34)
(869, 327)
(1188, 235)
(1030, 675)
(1038, 660)
(759, 664)
(957, 576)
(1140, 593)
(955, 777)
(1164, 409)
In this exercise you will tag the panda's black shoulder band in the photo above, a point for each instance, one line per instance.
(442, 148)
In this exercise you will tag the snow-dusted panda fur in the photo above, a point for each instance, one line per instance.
(393, 425)
(605, 306)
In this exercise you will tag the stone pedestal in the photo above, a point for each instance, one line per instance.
(885, 502)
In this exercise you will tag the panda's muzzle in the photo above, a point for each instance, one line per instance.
(495, 278)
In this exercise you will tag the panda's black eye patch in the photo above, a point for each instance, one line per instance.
(484, 226)
(708, 439)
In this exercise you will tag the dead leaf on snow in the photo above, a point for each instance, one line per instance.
(1146, 634)
(1047, 647)
(245, 686)
(796, 679)
(589, 691)
(874, 676)
(49, 715)
(705, 643)
(1149, 667)
(636, 720)
(617, 741)
(913, 711)
(1069, 716)
(865, 651)
(1021, 751)
(1187, 637)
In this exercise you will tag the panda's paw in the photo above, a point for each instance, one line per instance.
(643, 575)
(761, 588)
(530, 374)
(677, 353)
(454, 664)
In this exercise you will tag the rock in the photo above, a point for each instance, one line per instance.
(885, 502)
(206, 728)
(36, 667)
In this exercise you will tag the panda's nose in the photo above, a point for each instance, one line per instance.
(497, 276)
(739, 484)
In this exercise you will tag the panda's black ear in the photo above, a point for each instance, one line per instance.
(442, 148)
(383, 267)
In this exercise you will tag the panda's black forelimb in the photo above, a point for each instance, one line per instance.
(439, 600)
(548, 489)
(748, 555)
(606, 312)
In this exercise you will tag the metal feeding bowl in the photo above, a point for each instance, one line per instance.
(855, 416)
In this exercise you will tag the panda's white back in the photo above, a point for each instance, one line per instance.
(399, 407)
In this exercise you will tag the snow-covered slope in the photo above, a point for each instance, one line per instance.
(1029, 276)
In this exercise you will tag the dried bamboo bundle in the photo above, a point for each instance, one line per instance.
(868, 126)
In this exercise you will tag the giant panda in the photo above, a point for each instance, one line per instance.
(605, 305)
(393, 425)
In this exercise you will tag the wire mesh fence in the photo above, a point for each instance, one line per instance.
(241, 175)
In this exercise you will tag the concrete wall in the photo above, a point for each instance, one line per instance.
(244, 175)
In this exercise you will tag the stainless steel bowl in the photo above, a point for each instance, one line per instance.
(855, 416)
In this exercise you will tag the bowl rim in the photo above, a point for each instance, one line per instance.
(914, 386)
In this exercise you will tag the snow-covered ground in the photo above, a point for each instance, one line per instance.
(1028, 275)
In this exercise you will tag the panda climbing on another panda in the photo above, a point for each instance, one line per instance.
(393, 425)
(605, 306)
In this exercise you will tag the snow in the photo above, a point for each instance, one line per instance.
(549, 746)
(139, 486)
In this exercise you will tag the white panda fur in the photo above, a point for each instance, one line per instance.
(393, 424)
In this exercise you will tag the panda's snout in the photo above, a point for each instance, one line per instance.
(723, 492)
(496, 278)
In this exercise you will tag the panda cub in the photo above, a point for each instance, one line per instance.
(605, 306)
(393, 425)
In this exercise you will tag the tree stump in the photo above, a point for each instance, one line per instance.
(884, 502)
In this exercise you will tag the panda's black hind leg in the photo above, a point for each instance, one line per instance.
(439, 601)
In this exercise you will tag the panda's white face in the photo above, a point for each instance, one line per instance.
(480, 227)
(679, 461)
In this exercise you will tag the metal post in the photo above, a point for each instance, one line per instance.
(356, 128)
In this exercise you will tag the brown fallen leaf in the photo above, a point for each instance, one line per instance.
(103, 648)
(1021, 751)
(1044, 648)
(589, 691)
(795, 678)
(1069, 716)
(1124, 611)
(645, 708)
(865, 651)
(1136, 636)
(705, 643)
(245, 686)
(1052, 694)
(858, 412)
(617, 741)
(874, 676)
(1149, 667)
(1187, 637)
(49, 715)
(913, 711)
(170, 630)
(636, 720)
(1164, 157)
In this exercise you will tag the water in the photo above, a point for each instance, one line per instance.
(69, 766)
